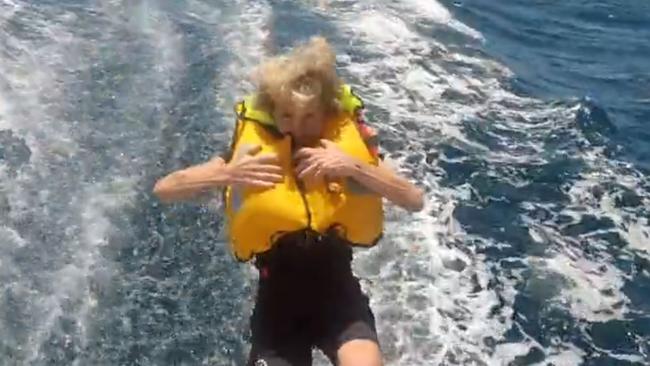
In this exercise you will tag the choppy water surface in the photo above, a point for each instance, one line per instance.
(526, 122)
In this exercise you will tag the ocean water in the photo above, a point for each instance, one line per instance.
(526, 122)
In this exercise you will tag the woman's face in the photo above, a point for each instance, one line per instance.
(302, 119)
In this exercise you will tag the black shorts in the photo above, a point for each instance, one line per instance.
(307, 297)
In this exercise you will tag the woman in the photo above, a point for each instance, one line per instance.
(303, 183)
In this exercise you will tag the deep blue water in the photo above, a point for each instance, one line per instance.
(524, 120)
(576, 49)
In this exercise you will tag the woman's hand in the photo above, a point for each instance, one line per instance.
(249, 169)
(326, 161)
(330, 161)
(245, 169)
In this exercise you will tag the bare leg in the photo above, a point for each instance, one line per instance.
(359, 352)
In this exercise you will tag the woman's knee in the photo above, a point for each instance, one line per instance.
(359, 353)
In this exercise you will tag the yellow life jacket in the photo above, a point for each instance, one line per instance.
(257, 216)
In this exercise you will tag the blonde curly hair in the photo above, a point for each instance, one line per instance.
(305, 73)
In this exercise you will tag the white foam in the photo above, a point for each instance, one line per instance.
(148, 20)
(404, 50)
(424, 83)
(565, 354)
(7, 10)
(601, 274)
(385, 29)
(33, 108)
(204, 13)
(244, 40)
(490, 67)
(72, 280)
(588, 281)
(441, 311)
(426, 311)
(168, 44)
(4, 111)
(629, 226)
(505, 353)
(592, 290)
(404, 79)
(31, 102)
(638, 235)
(433, 10)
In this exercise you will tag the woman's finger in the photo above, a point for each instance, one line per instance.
(269, 158)
(314, 176)
(251, 182)
(268, 177)
(304, 153)
(319, 173)
(304, 164)
(256, 183)
(308, 171)
(267, 168)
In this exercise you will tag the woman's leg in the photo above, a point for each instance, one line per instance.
(349, 337)
(277, 334)
(359, 352)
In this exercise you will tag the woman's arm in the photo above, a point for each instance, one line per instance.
(383, 179)
(187, 184)
(247, 168)
(329, 160)
(386, 182)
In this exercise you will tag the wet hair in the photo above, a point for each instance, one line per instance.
(305, 73)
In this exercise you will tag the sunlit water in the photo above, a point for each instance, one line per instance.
(525, 121)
